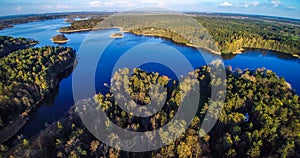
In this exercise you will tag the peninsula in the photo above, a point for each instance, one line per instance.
(28, 76)
(219, 34)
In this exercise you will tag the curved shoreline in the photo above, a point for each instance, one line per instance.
(242, 50)
(185, 44)
(16, 124)
(149, 35)
(73, 31)
(296, 55)
(238, 51)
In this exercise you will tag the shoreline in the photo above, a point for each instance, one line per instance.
(121, 29)
(16, 124)
(185, 44)
(60, 42)
(242, 50)
(91, 29)
(73, 31)
(296, 55)
(238, 51)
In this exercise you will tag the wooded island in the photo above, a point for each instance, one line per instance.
(59, 39)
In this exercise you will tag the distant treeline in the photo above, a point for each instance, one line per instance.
(233, 34)
(230, 34)
(6, 22)
(9, 22)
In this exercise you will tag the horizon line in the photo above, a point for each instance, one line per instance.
(188, 12)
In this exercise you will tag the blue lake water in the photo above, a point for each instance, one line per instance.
(56, 105)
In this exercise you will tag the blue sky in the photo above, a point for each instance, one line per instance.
(285, 8)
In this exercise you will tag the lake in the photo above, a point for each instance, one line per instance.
(60, 101)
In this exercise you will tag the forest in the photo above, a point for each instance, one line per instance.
(9, 44)
(188, 31)
(158, 32)
(230, 35)
(116, 21)
(260, 118)
(27, 76)
(81, 25)
(233, 34)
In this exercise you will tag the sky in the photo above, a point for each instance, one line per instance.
(283, 8)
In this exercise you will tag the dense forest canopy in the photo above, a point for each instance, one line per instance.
(232, 34)
(260, 118)
(9, 44)
(151, 31)
(80, 25)
(27, 76)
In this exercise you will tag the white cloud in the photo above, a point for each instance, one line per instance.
(117, 4)
(47, 7)
(246, 5)
(275, 3)
(95, 4)
(254, 3)
(98, 4)
(19, 8)
(251, 4)
(226, 4)
(167, 2)
(154, 2)
(62, 7)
